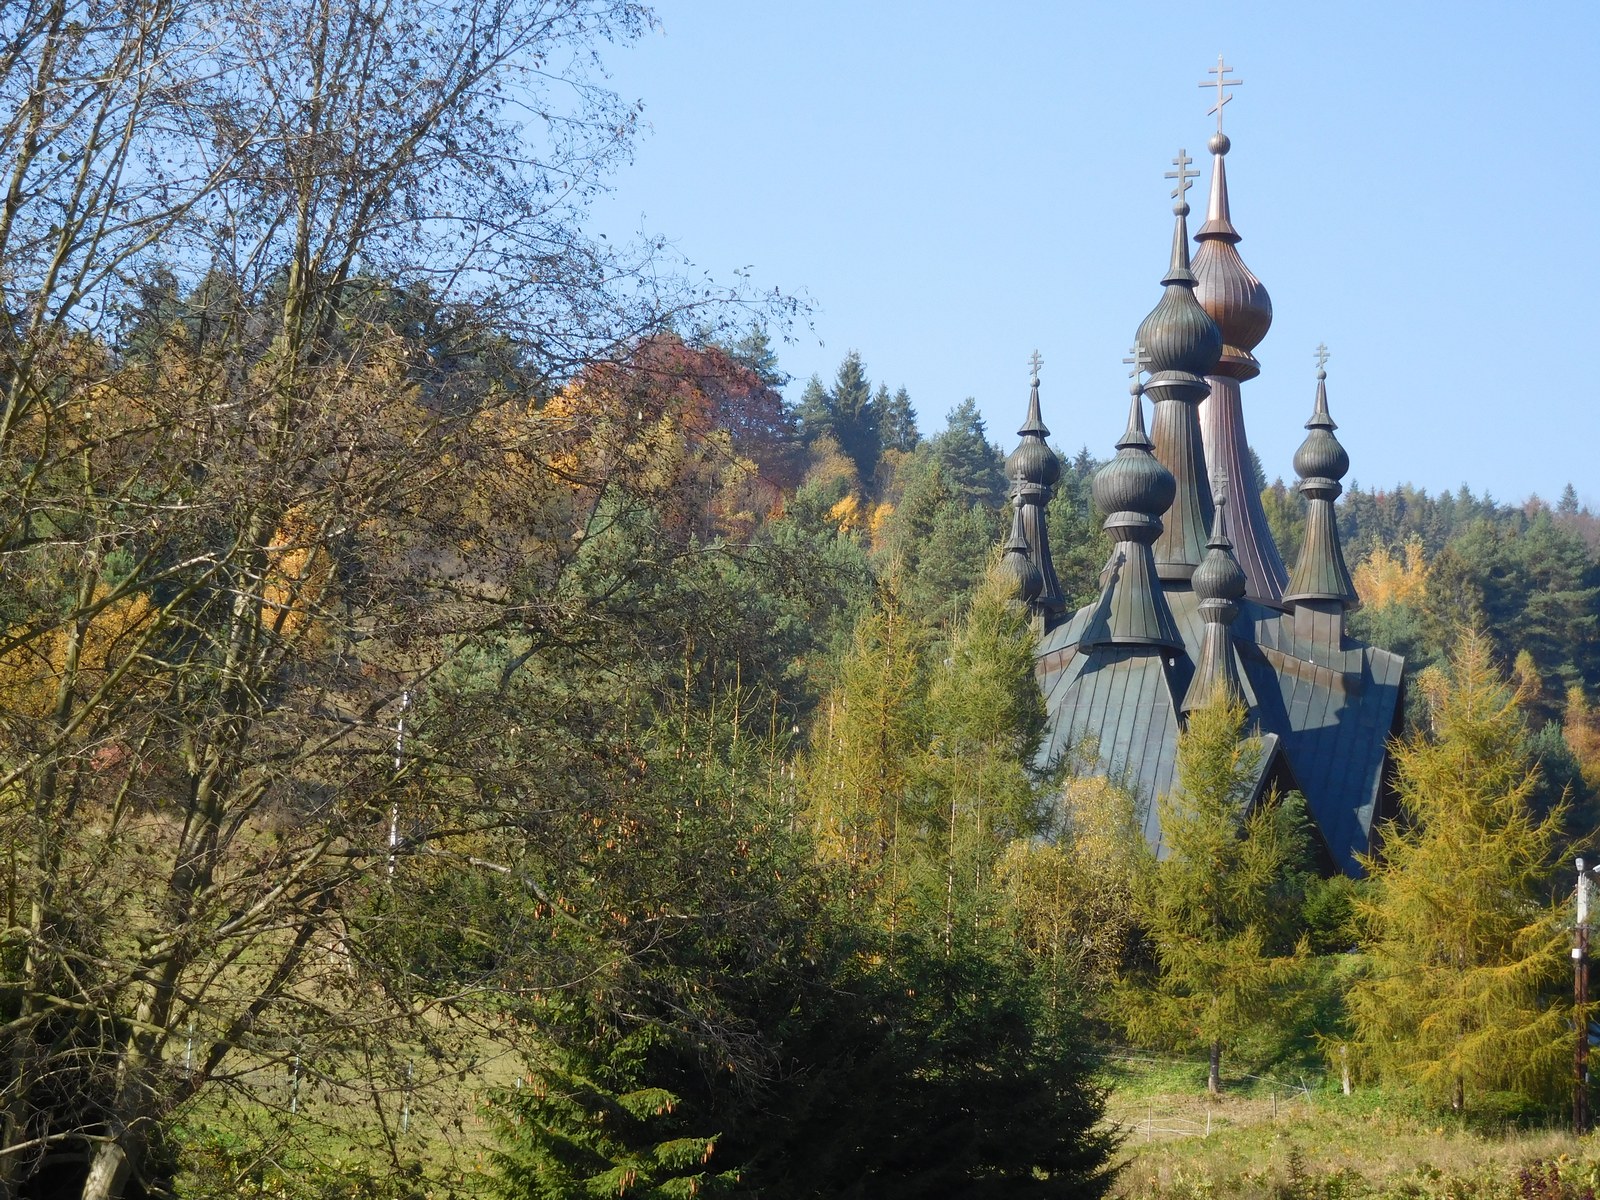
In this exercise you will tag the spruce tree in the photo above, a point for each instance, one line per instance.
(1218, 908)
(856, 417)
(1567, 506)
(815, 412)
(1464, 947)
(592, 1121)
(897, 421)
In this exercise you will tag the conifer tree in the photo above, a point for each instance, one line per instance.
(814, 411)
(897, 421)
(1463, 942)
(1215, 909)
(984, 717)
(855, 416)
(855, 776)
(591, 1122)
(973, 465)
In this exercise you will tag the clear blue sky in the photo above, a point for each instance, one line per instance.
(952, 188)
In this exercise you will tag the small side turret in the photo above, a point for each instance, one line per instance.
(1033, 470)
(1320, 580)
(1133, 490)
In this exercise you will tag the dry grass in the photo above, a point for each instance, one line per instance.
(1319, 1145)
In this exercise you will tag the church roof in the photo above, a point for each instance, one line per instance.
(1118, 673)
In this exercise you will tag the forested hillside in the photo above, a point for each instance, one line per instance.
(464, 732)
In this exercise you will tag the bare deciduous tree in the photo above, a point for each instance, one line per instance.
(242, 518)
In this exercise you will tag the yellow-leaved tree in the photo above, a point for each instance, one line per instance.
(1464, 949)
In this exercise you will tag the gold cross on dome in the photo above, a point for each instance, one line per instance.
(1221, 83)
(1183, 175)
(1035, 362)
(1322, 356)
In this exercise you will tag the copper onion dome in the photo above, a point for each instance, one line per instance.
(1033, 461)
(1227, 289)
(1320, 456)
(1219, 576)
(1219, 582)
(1320, 573)
(1134, 484)
(1181, 339)
(1019, 571)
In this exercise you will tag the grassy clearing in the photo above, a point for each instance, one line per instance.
(1270, 1140)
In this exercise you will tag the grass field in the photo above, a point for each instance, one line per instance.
(1292, 1139)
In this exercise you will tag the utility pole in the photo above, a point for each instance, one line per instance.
(1580, 997)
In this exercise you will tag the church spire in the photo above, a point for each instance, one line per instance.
(1239, 304)
(1133, 490)
(1018, 568)
(1183, 344)
(1034, 470)
(1321, 580)
(1219, 583)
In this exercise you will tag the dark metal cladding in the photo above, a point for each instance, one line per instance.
(1133, 489)
(1183, 344)
(1034, 470)
(1112, 673)
(1017, 567)
(1219, 585)
(1321, 462)
(1239, 304)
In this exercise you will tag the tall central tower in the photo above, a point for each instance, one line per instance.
(1239, 304)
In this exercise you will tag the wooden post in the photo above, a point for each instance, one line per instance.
(1580, 998)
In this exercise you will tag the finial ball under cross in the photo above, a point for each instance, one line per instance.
(1221, 83)
(1035, 362)
(1322, 359)
(1183, 175)
(1139, 359)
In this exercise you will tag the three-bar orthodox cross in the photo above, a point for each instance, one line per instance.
(1322, 357)
(1221, 83)
(1183, 175)
(1035, 362)
(1139, 359)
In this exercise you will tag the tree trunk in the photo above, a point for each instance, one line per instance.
(108, 1172)
(1458, 1096)
(1214, 1076)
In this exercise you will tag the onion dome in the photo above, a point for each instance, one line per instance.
(1182, 344)
(1134, 485)
(1033, 461)
(1321, 458)
(1034, 470)
(1016, 568)
(1181, 339)
(1227, 289)
(1321, 462)
(1219, 579)
(1219, 583)
(1133, 490)
(1240, 306)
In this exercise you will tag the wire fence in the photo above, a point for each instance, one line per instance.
(1163, 1122)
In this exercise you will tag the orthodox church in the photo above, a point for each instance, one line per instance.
(1195, 595)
